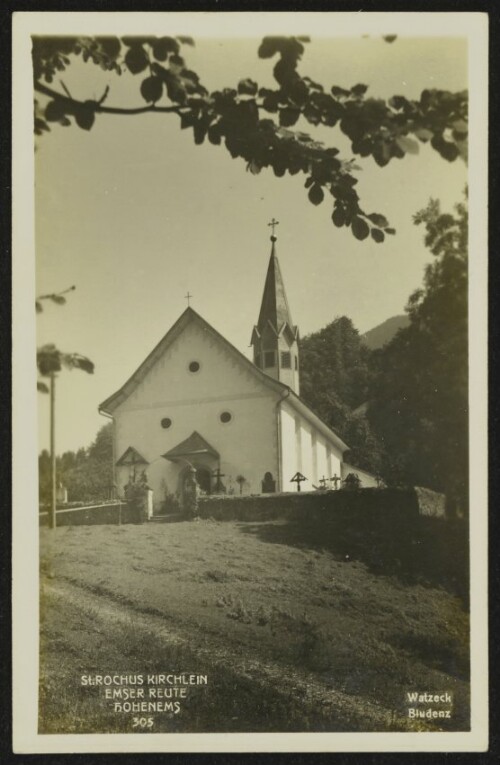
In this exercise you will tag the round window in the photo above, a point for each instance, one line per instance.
(226, 417)
(166, 422)
(194, 366)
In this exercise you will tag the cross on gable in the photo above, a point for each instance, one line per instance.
(188, 296)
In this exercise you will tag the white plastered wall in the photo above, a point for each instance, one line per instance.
(247, 445)
(305, 449)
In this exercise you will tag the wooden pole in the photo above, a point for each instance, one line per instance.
(53, 450)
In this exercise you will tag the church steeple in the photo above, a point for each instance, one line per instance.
(275, 337)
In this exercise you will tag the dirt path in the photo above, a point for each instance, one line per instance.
(290, 682)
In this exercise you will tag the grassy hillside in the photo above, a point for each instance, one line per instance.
(291, 638)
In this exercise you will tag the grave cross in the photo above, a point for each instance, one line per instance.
(273, 224)
(298, 478)
(323, 482)
(336, 478)
(218, 475)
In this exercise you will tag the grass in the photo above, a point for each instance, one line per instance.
(239, 603)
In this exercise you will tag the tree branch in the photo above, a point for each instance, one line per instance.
(100, 109)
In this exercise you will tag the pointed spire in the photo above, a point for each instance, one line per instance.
(274, 307)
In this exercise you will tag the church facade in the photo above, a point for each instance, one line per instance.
(198, 402)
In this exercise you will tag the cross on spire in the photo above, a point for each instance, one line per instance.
(273, 224)
(188, 296)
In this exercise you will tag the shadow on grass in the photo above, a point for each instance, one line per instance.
(429, 552)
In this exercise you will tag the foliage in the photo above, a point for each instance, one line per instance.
(49, 359)
(255, 123)
(87, 473)
(422, 411)
(335, 380)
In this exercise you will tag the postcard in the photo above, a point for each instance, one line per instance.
(250, 503)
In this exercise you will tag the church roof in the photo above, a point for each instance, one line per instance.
(190, 315)
(131, 457)
(274, 309)
(190, 447)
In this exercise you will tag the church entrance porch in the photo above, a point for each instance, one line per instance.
(203, 478)
(197, 459)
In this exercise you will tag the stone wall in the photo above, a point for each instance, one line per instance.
(91, 516)
(369, 505)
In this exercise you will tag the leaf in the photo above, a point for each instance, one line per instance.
(336, 91)
(214, 134)
(253, 167)
(40, 386)
(316, 194)
(177, 61)
(186, 40)
(76, 361)
(461, 127)
(38, 306)
(289, 117)
(408, 145)
(48, 360)
(424, 134)
(136, 59)
(338, 217)
(187, 120)
(152, 89)
(377, 235)
(359, 90)
(360, 228)
(378, 220)
(391, 231)
(85, 115)
(389, 38)
(54, 111)
(446, 149)
(110, 45)
(163, 46)
(175, 89)
(247, 87)
(59, 299)
(269, 47)
(200, 131)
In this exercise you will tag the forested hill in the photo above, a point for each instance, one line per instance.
(335, 379)
(414, 427)
(383, 333)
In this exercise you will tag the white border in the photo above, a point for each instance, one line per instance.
(473, 26)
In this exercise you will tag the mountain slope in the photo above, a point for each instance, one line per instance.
(383, 333)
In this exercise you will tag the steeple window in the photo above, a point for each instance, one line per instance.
(269, 359)
(286, 360)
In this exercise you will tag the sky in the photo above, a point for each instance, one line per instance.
(135, 215)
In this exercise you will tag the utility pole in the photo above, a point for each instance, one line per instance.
(53, 450)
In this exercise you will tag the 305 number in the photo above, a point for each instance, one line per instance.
(143, 722)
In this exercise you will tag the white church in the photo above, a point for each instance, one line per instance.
(197, 402)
